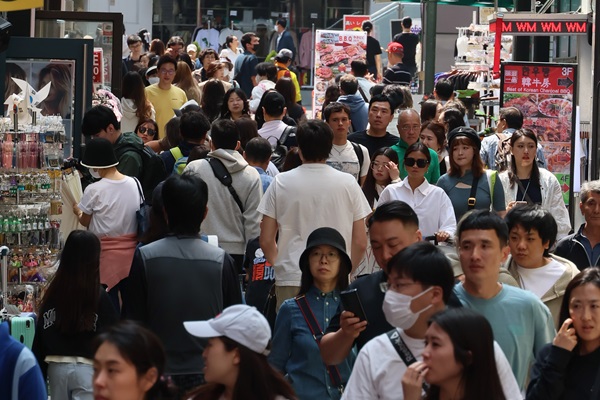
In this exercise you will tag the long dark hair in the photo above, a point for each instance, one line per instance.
(78, 275)
(588, 275)
(225, 113)
(143, 349)
(257, 380)
(286, 87)
(369, 188)
(473, 340)
(133, 88)
(535, 170)
(213, 98)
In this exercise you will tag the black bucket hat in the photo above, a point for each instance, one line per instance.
(469, 133)
(326, 236)
(99, 154)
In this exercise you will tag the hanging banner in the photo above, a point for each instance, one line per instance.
(98, 68)
(545, 94)
(354, 22)
(334, 51)
(15, 5)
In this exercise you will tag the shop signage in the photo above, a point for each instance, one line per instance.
(354, 22)
(545, 94)
(98, 67)
(541, 24)
(334, 51)
(14, 5)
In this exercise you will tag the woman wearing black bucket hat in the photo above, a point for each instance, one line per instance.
(325, 267)
(108, 209)
(467, 183)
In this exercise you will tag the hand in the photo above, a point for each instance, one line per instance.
(393, 170)
(510, 205)
(351, 325)
(76, 210)
(566, 338)
(412, 381)
(442, 236)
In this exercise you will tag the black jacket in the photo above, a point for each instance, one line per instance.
(571, 248)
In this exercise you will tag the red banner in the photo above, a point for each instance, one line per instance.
(98, 66)
(354, 22)
(533, 27)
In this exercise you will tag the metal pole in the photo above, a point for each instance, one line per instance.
(429, 32)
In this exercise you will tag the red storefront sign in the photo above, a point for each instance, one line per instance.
(98, 66)
(545, 94)
(354, 22)
(535, 25)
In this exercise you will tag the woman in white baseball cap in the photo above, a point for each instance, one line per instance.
(235, 358)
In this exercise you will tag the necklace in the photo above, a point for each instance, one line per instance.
(526, 189)
(339, 152)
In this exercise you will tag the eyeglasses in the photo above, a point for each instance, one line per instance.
(329, 256)
(167, 71)
(409, 162)
(143, 130)
(407, 128)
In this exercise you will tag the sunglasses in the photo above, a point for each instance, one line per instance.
(409, 162)
(143, 130)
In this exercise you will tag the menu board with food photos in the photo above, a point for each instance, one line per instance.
(334, 51)
(545, 94)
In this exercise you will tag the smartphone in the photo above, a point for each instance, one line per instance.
(351, 302)
(521, 202)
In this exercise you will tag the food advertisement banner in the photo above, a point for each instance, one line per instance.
(545, 94)
(334, 51)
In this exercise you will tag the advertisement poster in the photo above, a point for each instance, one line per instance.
(354, 22)
(545, 94)
(334, 51)
(98, 68)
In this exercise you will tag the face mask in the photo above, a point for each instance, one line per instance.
(396, 307)
(94, 173)
(153, 80)
(255, 47)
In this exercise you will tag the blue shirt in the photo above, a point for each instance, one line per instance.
(296, 353)
(264, 178)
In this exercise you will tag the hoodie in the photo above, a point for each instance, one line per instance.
(359, 111)
(224, 217)
(130, 120)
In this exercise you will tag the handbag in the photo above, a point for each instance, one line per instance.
(142, 215)
(317, 333)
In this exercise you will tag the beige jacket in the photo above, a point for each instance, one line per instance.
(553, 297)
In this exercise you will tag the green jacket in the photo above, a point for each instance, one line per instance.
(128, 149)
(433, 172)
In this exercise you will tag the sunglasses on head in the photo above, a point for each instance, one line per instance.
(143, 131)
(409, 162)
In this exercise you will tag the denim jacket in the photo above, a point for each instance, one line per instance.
(295, 352)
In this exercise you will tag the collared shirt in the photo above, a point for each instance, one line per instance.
(489, 146)
(296, 353)
(593, 253)
(431, 203)
(264, 178)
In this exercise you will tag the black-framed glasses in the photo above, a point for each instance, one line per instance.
(143, 130)
(421, 163)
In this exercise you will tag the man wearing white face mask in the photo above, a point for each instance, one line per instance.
(419, 284)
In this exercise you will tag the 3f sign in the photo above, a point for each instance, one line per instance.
(567, 71)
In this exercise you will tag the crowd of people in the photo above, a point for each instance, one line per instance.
(236, 249)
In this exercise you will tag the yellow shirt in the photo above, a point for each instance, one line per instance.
(164, 101)
(283, 71)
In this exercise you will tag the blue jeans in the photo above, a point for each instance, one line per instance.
(71, 381)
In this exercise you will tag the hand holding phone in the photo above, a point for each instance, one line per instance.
(351, 302)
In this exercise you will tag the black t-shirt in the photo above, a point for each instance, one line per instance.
(373, 143)
(398, 74)
(373, 49)
(534, 192)
(261, 275)
(409, 41)
(371, 297)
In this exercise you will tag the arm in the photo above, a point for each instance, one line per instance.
(232, 293)
(541, 158)
(359, 242)
(379, 67)
(83, 218)
(282, 338)
(341, 333)
(365, 168)
(267, 240)
(251, 215)
(447, 222)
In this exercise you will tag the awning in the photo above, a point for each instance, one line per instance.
(472, 3)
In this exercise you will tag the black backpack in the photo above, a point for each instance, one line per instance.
(280, 149)
(153, 168)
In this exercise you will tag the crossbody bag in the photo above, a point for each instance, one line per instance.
(317, 334)
(403, 351)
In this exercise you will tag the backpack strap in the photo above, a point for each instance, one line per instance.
(139, 186)
(360, 156)
(176, 153)
(362, 93)
(224, 177)
(317, 334)
(402, 349)
(285, 134)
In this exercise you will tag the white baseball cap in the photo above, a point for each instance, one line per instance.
(241, 323)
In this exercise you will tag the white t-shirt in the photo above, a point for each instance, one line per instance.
(311, 196)
(344, 159)
(378, 370)
(431, 203)
(540, 280)
(112, 205)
